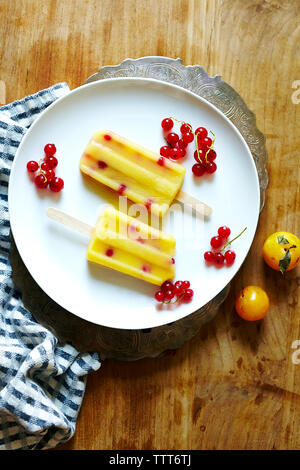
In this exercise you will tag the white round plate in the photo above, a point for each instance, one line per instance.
(56, 256)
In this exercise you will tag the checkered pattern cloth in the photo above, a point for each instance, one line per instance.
(42, 382)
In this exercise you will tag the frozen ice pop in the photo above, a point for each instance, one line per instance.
(141, 175)
(125, 244)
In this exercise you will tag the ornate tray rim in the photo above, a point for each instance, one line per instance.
(131, 345)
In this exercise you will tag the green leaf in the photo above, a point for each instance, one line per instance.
(285, 262)
(282, 240)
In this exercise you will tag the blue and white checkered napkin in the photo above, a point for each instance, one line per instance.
(42, 382)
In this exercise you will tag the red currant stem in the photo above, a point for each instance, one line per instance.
(182, 122)
(197, 148)
(177, 300)
(231, 241)
(212, 144)
(42, 172)
(196, 140)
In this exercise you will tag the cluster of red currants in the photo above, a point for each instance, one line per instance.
(204, 154)
(177, 146)
(181, 290)
(46, 174)
(217, 242)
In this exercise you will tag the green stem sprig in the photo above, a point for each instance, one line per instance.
(231, 241)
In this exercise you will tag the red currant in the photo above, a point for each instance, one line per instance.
(188, 295)
(146, 269)
(198, 169)
(167, 285)
(200, 143)
(178, 288)
(45, 166)
(148, 203)
(188, 137)
(211, 155)
(201, 132)
(41, 181)
(32, 166)
(161, 161)
(224, 232)
(216, 242)
(167, 124)
(50, 174)
(172, 138)
(165, 151)
(209, 256)
(169, 294)
(52, 162)
(181, 144)
(186, 284)
(182, 151)
(211, 167)
(122, 188)
(185, 128)
(49, 150)
(160, 296)
(230, 257)
(219, 258)
(56, 185)
(101, 164)
(206, 142)
(176, 153)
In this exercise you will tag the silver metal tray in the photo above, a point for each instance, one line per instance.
(137, 344)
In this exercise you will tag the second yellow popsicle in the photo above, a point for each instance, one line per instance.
(127, 245)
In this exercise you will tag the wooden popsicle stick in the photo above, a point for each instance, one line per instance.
(200, 207)
(69, 221)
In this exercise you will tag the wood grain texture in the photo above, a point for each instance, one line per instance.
(234, 385)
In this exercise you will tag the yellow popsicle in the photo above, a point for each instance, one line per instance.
(127, 245)
(141, 175)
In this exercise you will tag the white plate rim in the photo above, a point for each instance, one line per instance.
(146, 80)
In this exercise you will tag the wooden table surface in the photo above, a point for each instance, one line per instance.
(234, 386)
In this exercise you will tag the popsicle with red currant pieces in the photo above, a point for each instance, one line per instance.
(143, 176)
